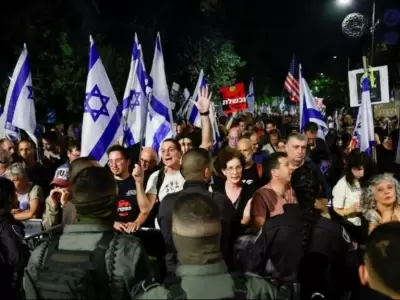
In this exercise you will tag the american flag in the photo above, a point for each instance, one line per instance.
(292, 82)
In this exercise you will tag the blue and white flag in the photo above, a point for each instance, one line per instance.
(185, 105)
(214, 125)
(101, 126)
(134, 104)
(366, 132)
(19, 108)
(251, 98)
(309, 111)
(193, 112)
(159, 120)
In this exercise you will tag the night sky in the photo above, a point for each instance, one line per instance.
(266, 33)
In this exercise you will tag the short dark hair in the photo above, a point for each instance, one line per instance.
(120, 149)
(92, 183)
(194, 210)
(311, 127)
(7, 192)
(274, 132)
(226, 156)
(382, 254)
(72, 145)
(194, 163)
(238, 121)
(270, 163)
(175, 142)
(50, 136)
(272, 122)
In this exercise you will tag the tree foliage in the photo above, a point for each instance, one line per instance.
(334, 92)
(217, 57)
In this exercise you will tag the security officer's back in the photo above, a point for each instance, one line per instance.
(196, 169)
(88, 260)
(14, 252)
(202, 273)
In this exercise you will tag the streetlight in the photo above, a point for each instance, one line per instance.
(344, 2)
(335, 57)
(374, 24)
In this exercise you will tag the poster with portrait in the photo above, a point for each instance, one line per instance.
(379, 91)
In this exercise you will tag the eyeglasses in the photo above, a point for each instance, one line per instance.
(143, 161)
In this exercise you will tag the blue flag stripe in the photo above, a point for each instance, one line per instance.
(93, 56)
(106, 138)
(160, 135)
(16, 92)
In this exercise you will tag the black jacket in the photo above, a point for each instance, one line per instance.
(14, 255)
(230, 222)
(329, 266)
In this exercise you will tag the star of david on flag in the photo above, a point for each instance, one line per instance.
(101, 126)
(91, 101)
(135, 98)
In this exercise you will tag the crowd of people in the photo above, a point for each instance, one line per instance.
(270, 213)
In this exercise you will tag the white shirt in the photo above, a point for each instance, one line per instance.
(173, 182)
(345, 196)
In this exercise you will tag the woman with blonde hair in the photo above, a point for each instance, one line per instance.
(380, 201)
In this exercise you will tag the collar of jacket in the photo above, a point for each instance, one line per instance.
(200, 270)
(88, 225)
(196, 183)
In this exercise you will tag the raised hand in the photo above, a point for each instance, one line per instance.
(138, 174)
(204, 100)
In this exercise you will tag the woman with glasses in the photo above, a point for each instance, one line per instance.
(231, 164)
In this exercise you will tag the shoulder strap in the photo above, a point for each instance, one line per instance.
(99, 260)
(173, 284)
(240, 287)
(160, 180)
(259, 170)
(51, 247)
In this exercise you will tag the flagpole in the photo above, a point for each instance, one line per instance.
(149, 94)
(365, 65)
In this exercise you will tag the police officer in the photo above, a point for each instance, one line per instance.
(14, 253)
(105, 264)
(202, 272)
(306, 246)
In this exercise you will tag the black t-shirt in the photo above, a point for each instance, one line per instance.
(245, 195)
(127, 206)
(250, 176)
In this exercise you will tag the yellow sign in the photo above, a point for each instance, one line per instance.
(387, 110)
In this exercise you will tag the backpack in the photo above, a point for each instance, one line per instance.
(173, 285)
(73, 274)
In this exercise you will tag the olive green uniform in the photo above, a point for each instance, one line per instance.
(211, 282)
(126, 262)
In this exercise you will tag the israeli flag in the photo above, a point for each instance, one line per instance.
(214, 124)
(185, 105)
(309, 111)
(250, 97)
(19, 108)
(134, 103)
(193, 112)
(102, 125)
(366, 132)
(159, 120)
